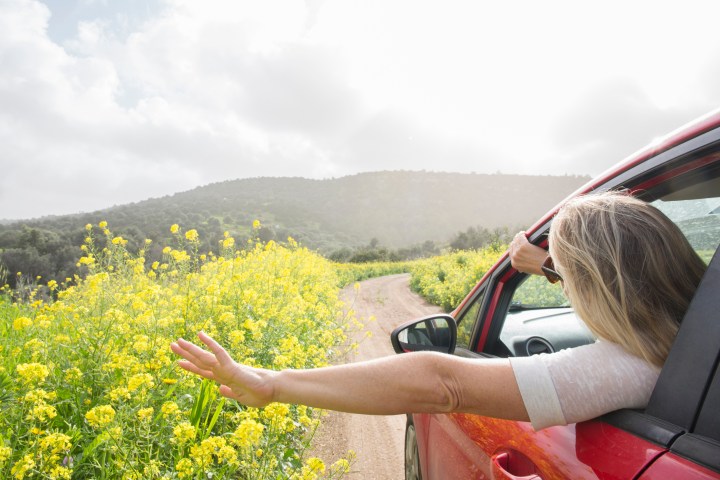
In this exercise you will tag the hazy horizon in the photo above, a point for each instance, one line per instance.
(81, 212)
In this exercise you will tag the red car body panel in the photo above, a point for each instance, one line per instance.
(464, 446)
(589, 450)
(671, 466)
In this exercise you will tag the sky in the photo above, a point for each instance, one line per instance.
(107, 102)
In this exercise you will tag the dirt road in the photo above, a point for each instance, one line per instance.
(378, 441)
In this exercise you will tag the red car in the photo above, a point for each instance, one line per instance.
(509, 313)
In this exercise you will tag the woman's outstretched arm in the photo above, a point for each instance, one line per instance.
(420, 382)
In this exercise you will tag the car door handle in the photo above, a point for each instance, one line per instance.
(513, 465)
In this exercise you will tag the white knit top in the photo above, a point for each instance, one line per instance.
(582, 383)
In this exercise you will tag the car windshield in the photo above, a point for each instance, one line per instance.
(536, 292)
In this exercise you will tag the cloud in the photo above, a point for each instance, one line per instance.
(159, 110)
(390, 140)
(110, 102)
(611, 121)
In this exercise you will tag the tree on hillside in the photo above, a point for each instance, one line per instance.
(480, 237)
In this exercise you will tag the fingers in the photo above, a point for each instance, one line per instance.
(517, 240)
(226, 391)
(520, 237)
(220, 353)
(192, 368)
(193, 353)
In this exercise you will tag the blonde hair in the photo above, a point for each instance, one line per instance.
(628, 270)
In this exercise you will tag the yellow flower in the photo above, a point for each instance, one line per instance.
(184, 468)
(56, 443)
(316, 465)
(5, 453)
(192, 235)
(174, 228)
(184, 433)
(88, 227)
(145, 413)
(340, 467)
(140, 380)
(119, 393)
(152, 469)
(103, 224)
(248, 433)
(170, 408)
(115, 432)
(88, 260)
(34, 346)
(213, 447)
(100, 416)
(22, 466)
(256, 224)
(32, 372)
(21, 323)
(72, 373)
(59, 472)
(39, 396)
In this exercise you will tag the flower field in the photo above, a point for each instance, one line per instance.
(356, 272)
(90, 389)
(445, 280)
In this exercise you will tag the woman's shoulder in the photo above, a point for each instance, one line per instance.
(601, 354)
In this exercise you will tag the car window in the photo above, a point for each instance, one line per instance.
(537, 292)
(698, 218)
(466, 322)
(540, 320)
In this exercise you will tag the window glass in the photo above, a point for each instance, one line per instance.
(540, 320)
(699, 220)
(466, 322)
(537, 292)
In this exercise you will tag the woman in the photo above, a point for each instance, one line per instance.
(627, 270)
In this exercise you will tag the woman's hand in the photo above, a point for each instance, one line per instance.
(248, 385)
(526, 257)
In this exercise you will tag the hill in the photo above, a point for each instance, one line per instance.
(398, 209)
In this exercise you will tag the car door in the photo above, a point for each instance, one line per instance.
(474, 447)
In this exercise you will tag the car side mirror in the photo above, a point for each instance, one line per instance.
(436, 333)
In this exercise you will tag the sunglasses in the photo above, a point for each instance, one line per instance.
(548, 268)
